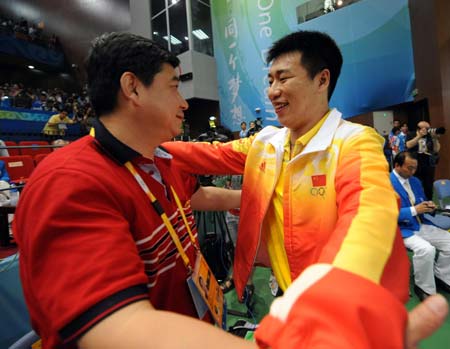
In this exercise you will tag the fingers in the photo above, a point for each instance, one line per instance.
(425, 319)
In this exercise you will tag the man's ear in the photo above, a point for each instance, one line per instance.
(129, 86)
(324, 79)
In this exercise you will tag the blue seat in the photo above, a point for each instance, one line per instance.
(26, 342)
(442, 191)
(439, 220)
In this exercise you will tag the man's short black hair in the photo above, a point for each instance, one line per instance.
(399, 159)
(319, 51)
(113, 54)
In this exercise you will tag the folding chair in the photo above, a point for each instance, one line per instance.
(19, 167)
(38, 158)
(12, 151)
(35, 148)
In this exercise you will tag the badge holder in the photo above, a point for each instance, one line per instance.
(206, 292)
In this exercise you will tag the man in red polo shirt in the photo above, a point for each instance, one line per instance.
(96, 251)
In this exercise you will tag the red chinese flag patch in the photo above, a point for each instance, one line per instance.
(319, 180)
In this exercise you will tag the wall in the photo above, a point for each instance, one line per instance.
(364, 119)
(141, 14)
(431, 44)
(203, 84)
(205, 76)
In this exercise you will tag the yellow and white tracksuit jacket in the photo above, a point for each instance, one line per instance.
(340, 219)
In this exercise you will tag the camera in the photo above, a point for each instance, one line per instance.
(436, 130)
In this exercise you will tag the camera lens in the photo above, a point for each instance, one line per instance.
(437, 131)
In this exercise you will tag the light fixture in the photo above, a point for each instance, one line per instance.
(186, 38)
(212, 122)
(200, 34)
(173, 40)
(155, 33)
(31, 66)
(174, 2)
(339, 3)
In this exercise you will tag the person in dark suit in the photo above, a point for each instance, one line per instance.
(419, 234)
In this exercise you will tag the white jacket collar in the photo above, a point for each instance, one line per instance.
(321, 140)
(324, 137)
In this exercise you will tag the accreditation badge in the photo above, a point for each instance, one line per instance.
(206, 292)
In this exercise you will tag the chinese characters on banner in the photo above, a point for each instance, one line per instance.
(234, 83)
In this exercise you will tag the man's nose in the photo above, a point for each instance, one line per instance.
(273, 92)
(184, 104)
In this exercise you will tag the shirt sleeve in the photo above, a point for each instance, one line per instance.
(315, 312)
(82, 262)
(366, 227)
(210, 158)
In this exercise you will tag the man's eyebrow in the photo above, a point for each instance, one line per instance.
(278, 72)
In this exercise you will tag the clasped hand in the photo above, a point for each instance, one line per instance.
(425, 207)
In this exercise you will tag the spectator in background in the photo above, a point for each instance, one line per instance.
(56, 125)
(4, 183)
(39, 104)
(22, 100)
(419, 234)
(395, 123)
(5, 101)
(251, 129)
(59, 143)
(3, 151)
(88, 119)
(426, 145)
(243, 131)
(4, 176)
(394, 141)
(402, 137)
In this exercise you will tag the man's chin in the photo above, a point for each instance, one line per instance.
(283, 120)
(176, 134)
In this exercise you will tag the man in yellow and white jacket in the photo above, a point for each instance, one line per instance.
(318, 207)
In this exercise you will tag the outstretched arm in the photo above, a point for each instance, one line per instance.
(140, 326)
(215, 199)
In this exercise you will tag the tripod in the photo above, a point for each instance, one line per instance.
(217, 247)
(215, 241)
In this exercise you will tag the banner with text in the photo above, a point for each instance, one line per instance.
(374, 37)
